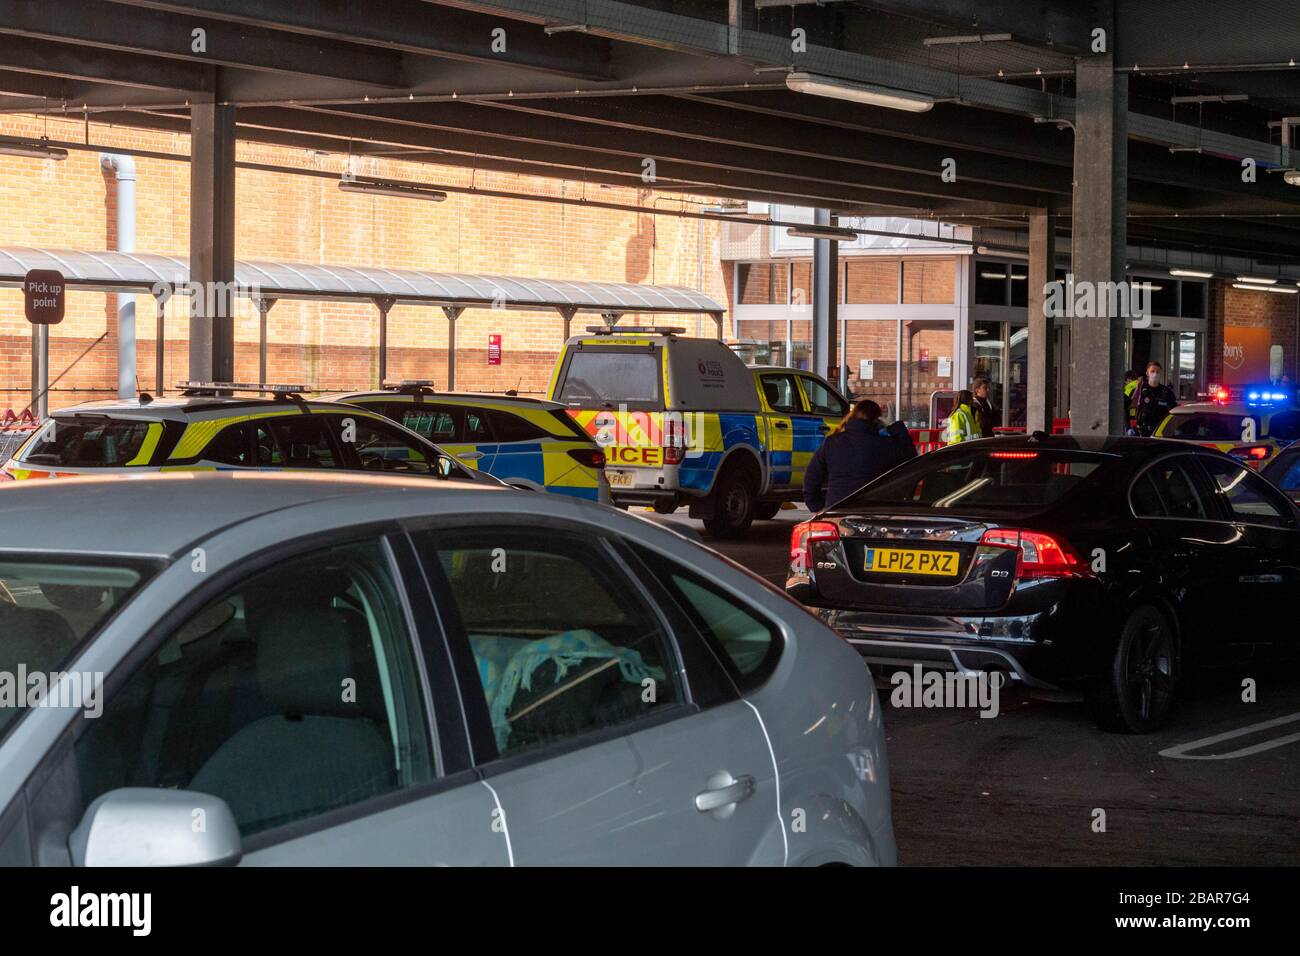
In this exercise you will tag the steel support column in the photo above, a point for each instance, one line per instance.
(263, 304)
(160, 344)
(825, 354)
(212, 240)
(384, 304)
(453, 313)
(1040, 409)
(1099, 234)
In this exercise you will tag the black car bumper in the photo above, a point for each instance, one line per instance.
(1061, 645)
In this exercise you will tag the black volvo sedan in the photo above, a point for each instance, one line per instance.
(1105, 566)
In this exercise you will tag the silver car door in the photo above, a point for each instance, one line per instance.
(604, 734)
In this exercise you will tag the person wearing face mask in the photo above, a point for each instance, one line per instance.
(1152, 401)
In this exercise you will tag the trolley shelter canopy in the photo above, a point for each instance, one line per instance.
(266, 281)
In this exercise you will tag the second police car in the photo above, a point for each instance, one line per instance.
(1251, 423)
(683, 421)
(525, 442)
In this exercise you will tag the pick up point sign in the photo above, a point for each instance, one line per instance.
(44, 296)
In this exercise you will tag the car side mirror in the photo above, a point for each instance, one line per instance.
(146, 826)
(444, 466)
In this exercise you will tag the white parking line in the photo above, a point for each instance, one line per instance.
(1180, 752)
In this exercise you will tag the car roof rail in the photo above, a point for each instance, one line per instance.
(278, 391)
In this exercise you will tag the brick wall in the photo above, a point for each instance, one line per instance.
(1242, 307)
(72, 204)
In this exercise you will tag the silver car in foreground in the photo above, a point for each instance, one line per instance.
(291, 669)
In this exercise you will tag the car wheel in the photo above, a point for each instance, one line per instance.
(733, 502)
(1135, 695)
(766, 510)
(665, 507)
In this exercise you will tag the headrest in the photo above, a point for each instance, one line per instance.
(35, 637)
(304, 656)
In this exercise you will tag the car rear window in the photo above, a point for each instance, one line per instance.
(47, 609)
(612, 376)
(92, 443)
(1204, 426)
(1010, 479)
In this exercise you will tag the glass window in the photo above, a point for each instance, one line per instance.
(46, 610)
(1163, 293)
(872, 347)
(781, 393)
(747, 643)
(1145, 498)
(1285, 472)
(1193, 300)
(293, 694)
(300, 441)
(381, 447)
(86, 442)
(1249, 497)
(1284, 426)
(508, 427)
(764, 283)
(990, 283)
(821, 399)
(614, 376)
(434, 422)
(870, 280)
(1205, 426)
(1181, 490)
(563, 643)
(232, 446)
(1010, 479)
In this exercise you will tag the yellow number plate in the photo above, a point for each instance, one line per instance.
(909, 561)
(618, 479)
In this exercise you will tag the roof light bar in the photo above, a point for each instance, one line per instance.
(816, 85)
(655, 329)
(277, 388)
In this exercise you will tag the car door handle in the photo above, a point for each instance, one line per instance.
(781, 424)
(470, 455)
(724, 791)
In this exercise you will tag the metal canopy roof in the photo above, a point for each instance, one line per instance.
(136, 272)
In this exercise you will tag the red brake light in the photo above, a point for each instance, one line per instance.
(674, 438)
(1041, 555)
(1221, 395)
(1252, 453)
(801, 538)
(590, 457)
(1014, 454)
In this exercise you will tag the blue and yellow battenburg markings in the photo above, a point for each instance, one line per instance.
(543, 462)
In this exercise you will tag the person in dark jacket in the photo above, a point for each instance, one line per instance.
(859, 449)
(1152, 401)
(986, 416)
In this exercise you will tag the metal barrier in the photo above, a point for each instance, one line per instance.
(14, 430)
(926, 439)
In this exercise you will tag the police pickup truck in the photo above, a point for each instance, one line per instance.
(684, 421)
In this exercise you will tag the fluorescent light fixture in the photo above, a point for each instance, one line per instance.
(1005, 253)
(350, 184)
(36, 149)
(837, 89)
(1253, 287)
(831, 233)
(1191, 273)
(1259, 280)
(993, 275)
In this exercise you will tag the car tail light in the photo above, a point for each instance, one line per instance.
(1250, 453)
(1016, 455)
(590, 457)
(1041, 555)
(674, 432)
(801, 538)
